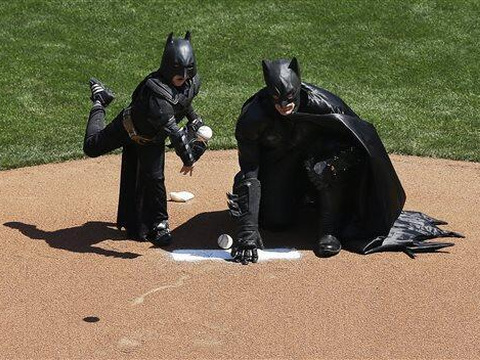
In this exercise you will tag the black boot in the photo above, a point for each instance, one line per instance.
(160, 235)
(100, 93)
(327, 245)
(331, 208)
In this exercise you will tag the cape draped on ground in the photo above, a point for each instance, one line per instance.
(378, 222)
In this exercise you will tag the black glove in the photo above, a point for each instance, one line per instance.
(194, 125)
(244, 205)
(180, 142)
(197, 147)
(245, 247)
(182, 148)
(321, 173)
(334, 170)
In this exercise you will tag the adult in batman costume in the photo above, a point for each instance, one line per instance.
(299, 144)
(158, 104)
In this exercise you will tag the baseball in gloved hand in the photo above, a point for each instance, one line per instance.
(204, 133)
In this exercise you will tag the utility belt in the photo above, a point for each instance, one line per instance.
(132, 132)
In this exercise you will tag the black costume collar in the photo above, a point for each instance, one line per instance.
(172, 94)
(160, 88)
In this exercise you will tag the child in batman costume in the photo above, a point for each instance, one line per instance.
(297, 141)
(158, 104)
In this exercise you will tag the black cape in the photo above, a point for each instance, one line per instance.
(130, 213)
(378, 222)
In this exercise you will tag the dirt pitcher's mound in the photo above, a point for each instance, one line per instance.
(73, 287)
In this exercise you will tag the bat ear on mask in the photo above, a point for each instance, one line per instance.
(266, 68)
(294, 66)
(169, 39)
(188, 35)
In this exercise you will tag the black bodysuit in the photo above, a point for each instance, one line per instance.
(156, 109)
(362, 202)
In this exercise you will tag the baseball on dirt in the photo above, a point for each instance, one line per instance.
(225, 241)
(204, 133)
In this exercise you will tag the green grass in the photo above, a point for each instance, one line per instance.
(410, 67)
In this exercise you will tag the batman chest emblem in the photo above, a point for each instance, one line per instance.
(272, 139)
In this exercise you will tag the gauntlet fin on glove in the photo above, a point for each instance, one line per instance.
(244, 205)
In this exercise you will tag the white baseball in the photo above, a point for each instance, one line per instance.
(204, 133)
(225, 241)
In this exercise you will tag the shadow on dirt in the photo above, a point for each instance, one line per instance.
(202, 231)
(80, 239)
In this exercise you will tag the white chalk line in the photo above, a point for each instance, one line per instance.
(178, 283)
(213, 254)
